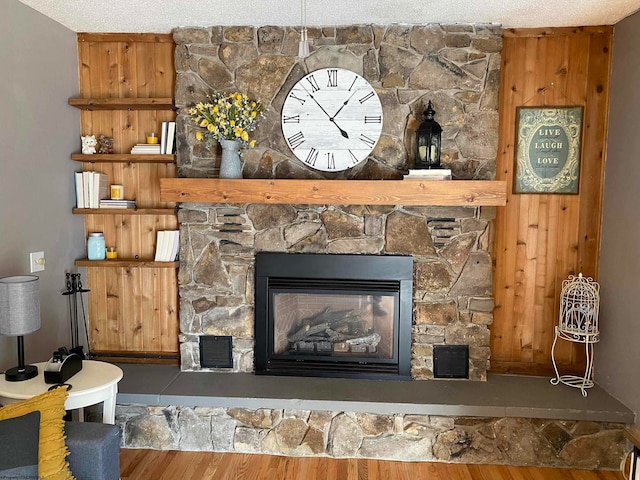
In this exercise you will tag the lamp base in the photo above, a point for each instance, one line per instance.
(17, 374)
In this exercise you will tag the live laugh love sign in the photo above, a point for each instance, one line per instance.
(548, 150)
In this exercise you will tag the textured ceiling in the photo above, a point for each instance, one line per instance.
(161, 16)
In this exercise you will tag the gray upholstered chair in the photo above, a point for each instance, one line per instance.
(94, 450)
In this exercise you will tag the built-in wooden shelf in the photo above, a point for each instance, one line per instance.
(123, 158)
(122, 103)
(335, 192)
(125, 262)
(124, 211)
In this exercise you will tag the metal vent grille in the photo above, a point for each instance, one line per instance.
(216, 351)
(451, 361)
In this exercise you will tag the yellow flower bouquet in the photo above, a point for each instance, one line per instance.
(226, 117)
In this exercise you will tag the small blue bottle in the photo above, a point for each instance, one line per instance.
(96, 246)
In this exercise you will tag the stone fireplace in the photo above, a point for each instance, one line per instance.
(452, 282)
(454, 66)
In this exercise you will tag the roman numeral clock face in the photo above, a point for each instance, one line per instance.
(332, 119)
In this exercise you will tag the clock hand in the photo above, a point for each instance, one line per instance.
(342, 132)
(343, 105)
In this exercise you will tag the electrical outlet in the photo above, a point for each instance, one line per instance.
(36, 261)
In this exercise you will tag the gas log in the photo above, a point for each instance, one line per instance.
(329, 331)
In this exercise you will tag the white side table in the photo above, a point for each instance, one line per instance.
(96, 382)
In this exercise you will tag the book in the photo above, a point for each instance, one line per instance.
(167, 245)
(117, 204)
(100, 189)
(146, 148)
(171, 137)
(163, 138)
(108, 201)
(175, 245)
(79, 190)
(429, 174)
(161, 240)
(86, 193)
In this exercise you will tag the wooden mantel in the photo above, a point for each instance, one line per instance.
(469, 193)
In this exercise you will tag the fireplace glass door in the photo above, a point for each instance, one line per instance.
(333, 315)
(325, 323)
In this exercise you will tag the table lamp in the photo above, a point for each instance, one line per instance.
(19, 316)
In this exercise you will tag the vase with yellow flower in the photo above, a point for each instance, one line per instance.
(227, 119)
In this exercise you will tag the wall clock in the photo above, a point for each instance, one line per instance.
(332, 119)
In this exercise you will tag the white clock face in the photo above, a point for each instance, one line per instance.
(332, 119)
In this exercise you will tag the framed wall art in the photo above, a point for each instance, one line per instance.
(548, 144)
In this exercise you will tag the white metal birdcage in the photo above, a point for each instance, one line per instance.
(578, 323)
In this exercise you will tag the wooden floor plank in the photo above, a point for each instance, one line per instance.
(138, 464)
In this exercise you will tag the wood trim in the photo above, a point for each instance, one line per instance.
(162, 103)
(126, 37)
(124, 211)
(157, 358)
(126, 263)
(122, 158)
(556, 31)
(469, 193)
(534, 369)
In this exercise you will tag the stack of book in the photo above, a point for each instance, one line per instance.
(146, 149)
(91, 188)
(117, 203)
(167, 245)
(429, 174)
(167, 138)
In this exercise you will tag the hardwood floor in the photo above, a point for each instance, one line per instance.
(173, 465)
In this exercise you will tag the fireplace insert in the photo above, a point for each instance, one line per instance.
(333, 315)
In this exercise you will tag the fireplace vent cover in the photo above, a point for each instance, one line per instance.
(216, 351)
(451, 361)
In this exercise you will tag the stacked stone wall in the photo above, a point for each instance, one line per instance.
(455, 66)
(452, 294)
(339, 434)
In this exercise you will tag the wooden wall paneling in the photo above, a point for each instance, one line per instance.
(595, 136)
(165, 69)
(121, 320)
(169, 327)
(540, 239)
(94, 298)
(152, 300)
(116, 328)
(511, 93)
(132, 316)
(126, 65)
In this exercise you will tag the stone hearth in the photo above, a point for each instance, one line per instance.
(507, 419)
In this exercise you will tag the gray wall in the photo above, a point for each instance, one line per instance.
(38, 131)
(618, 353)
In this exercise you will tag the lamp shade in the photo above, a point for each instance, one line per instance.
(19, 305)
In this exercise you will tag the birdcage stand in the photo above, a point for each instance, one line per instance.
(578, 323)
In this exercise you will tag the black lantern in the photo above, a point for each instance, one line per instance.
(428, 139)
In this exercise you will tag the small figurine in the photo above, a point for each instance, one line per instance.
(105, 144)
(89, 144)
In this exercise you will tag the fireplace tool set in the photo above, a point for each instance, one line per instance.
(75, 301)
